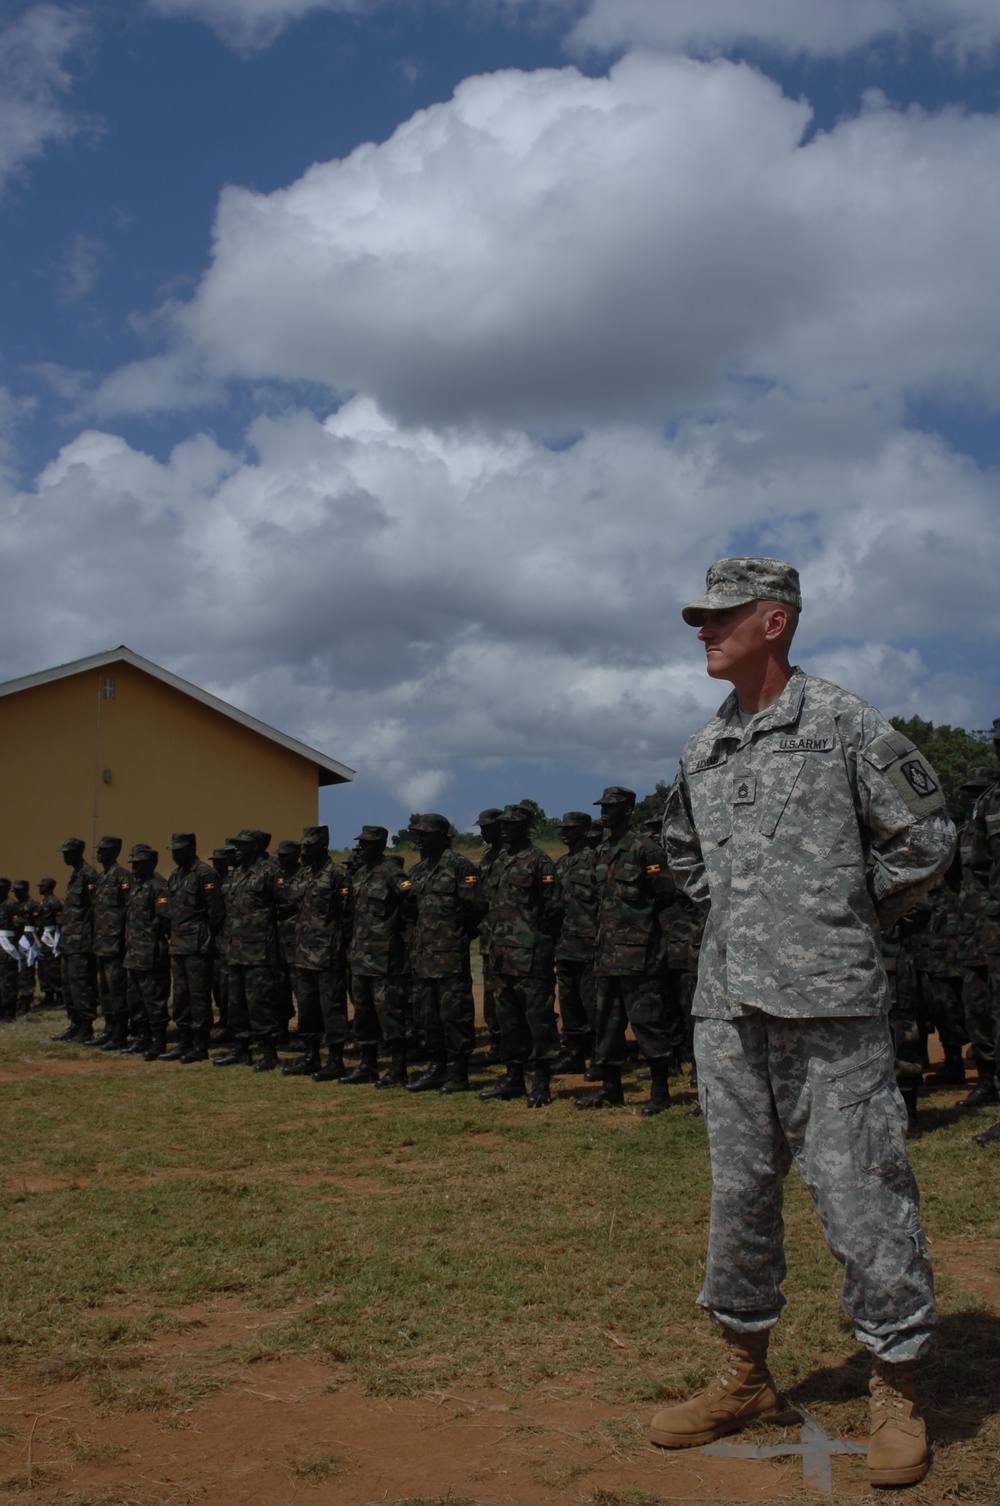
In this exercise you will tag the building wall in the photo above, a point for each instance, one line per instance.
(174, 765)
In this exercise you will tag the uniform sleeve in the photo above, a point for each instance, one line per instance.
(214, 903)
(658, 875)
(912, 840)
(551, 904)
(472, 904)
(681, 845)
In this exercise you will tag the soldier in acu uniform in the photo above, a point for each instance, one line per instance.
(321, 932)
(376, 961)
(111, 896)
(49, 919)
(575, 944)
(633, 886)
(491, 831)
(525, 915)
(806, 824)
(195, 916)
(11, 926)
(443, 912)
(29, 944)
(147, 953)
(76, 945)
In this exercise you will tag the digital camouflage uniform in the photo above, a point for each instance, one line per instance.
(110, 901)
(526, 911)
(803, 833)
(11, 927)
(574, 950)
(376, 956)
(443, 912)
(633, 886)
(256, 1003)
(76, 946)
(147, 954)
(196, 914)
(322, 929)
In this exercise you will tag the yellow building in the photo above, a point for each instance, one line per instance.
(116, 745)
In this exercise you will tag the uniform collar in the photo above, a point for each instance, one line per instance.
(781, 713)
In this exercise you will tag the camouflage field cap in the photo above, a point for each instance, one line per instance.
(316, 836)
(73, 844)
(515, 813)
(616, 794)
(979, 777)
(286, 846)
(21, 886)
(430, 821)
(576, 818)
(263, 837)
(115, 842)
(489, 816)
(373, 834)
(46, 881)
(142, 853)
(182, 839)
(247, 838)
(734, 582)
(222, 852)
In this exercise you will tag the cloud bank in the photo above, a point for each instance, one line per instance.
(249, 25)
(33, 51)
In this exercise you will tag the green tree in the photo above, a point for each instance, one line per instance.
(950, 750)
(650, 807)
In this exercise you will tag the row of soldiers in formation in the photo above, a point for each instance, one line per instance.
(603, 927)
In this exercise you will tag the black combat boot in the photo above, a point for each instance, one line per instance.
(157, 1041)
(985, 1091)
(177, 1052)
(69, 1034)
(540, 1093)
(659, 1088)
(435, 1076)
(304, 1065)
(491, 1056)
(105, 1035)
(334, 1069)
(118, 1038)
(989, 1137)
(139, 1046)
(396, 1075)
(197, 1050)
(367, 1068)
(268, 1057)
(913, 1129)
(84, 1033)
(457, 1080)
(572, 1058)
(951, 1072)
(239, 1056)
(608, 1096)
(509, 1087)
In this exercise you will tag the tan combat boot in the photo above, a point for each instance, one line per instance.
(897, 1449)
(742, 1392)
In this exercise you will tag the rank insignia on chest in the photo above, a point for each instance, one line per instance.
(744, 789)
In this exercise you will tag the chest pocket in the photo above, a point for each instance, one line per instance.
(780, 786)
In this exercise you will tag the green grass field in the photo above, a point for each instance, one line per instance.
(420, 1242)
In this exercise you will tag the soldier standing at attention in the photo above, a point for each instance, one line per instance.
(806, 824)
(50, 909)
(256, 1008)
(147, 952)
(443, 911)
(973, 900)
(286, 903)
(222, 862)
(633, 886)
(29, 944)
(195, 915)
(111, 895)
(11, 926)
(321, 931)
(76, 945)
(376, 961)
(525, 916)
(491, 832)
(575, 944)
(984, 1021)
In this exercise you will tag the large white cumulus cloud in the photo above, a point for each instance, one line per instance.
(33, 77)
(549, 249)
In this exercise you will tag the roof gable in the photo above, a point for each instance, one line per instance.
(329, 770)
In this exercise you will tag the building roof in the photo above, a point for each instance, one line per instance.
(328, 769)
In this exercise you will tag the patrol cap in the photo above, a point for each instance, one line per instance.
(616, 794)
(263, 837)
(73, 844)
(979, 777)
(246, 838)
(141, 852)
(115, 842)
(516, 812)
(734, 582)
(430, 821)
(44, 881)
(21, 884)
(373, 834)
(316, 835)
(286, 845)
(576, 818)
(489, 817)
(182, 839)
(222, 852)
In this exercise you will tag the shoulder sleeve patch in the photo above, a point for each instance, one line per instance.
(548, 878)
(914, 780)
(207, 886)
(470, 878)
(652, 867)
(405, 884)
(345, 890)
(162, 899)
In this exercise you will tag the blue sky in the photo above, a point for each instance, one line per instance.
(395, 370)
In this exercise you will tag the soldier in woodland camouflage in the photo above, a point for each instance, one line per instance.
(195, 916)
(286, 904)
(939, 974)
(28, 945)
(526, 911)
(11, 926)
(147, 952)
(575, 944)
(984, 1021)
(222, 861)
(973, 903)
(256, 1007)
(491, 831)
(376, 959)
(443, 911)
(806, 824)
(50, 908)
(76, 945)
(110, 901)
(322, 927)
(633, 886)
